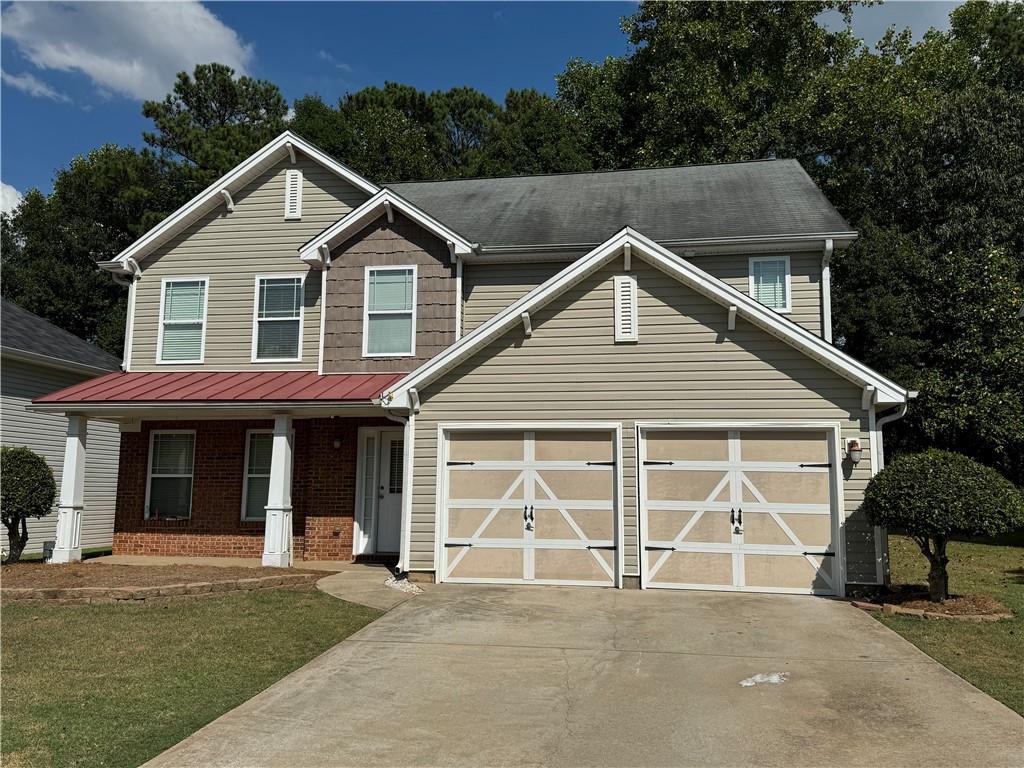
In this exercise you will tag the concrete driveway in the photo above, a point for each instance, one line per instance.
(552, 676)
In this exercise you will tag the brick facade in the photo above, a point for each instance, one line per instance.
(323, 492)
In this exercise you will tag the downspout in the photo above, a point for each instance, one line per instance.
(458, 297)
(899, 413)
(877, 463)
(826, 291)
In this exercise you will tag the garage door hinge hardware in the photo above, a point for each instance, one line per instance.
(658, 463)
(450, 544)
(594, 546)
(600, 463)
(821, 554)
(827, 464)
(660, 549)
(461, 463)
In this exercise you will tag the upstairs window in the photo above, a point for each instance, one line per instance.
(171, 462)
(277, 325)
(389, 323)
(770, 281)
(293, 194)
(182, 321)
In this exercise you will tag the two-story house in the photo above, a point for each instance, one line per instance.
(620, 378)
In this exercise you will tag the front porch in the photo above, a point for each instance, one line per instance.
(309, 470)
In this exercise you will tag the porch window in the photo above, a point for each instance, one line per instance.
(182, 321)
(277, 326)
(171, 461)
(770, 281)
(389, 326)
(259, 447)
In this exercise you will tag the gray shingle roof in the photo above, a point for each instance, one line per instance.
(21, 330)
(754, 199)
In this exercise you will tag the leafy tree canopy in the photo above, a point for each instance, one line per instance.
(28, 490)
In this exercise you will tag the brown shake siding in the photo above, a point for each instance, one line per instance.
(686, 366)
(380, 244)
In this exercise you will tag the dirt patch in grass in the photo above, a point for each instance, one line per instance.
(916, 597)
(48, 575)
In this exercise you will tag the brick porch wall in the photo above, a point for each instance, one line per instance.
(323, 492)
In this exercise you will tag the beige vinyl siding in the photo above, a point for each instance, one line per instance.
(489, 288)
(231, 249)
(686, 365)
(805, 281)
(45, 433)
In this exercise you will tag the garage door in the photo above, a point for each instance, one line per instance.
(530, 507)
(739, 509)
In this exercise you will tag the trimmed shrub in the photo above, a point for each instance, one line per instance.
(27, 490)
(938, 495)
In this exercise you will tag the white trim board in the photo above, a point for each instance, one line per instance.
(280, 148)
(887, 391)
(383, 202)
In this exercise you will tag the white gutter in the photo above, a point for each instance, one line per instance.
(809, 237)
(900, 412)
(826, 291)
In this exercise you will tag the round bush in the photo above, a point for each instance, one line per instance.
(940, 494)
(26, 485)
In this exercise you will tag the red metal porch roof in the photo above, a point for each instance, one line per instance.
(225, 387)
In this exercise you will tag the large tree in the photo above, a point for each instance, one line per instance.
(100, 204)
(213, 120)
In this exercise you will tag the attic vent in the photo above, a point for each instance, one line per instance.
(293, 194)
(625, 309)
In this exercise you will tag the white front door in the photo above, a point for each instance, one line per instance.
(389, 492)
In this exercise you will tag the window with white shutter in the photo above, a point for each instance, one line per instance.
(182, 321)
(626, 325)
(277, 325)
(293, 194)
(389, 322)
(769, 281)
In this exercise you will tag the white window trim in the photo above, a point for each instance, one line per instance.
(626, 283)
(288, 174)
(256, 318)
(366, 308)
(246, 475)
(789, 282)
(160, 328)
(149, 466)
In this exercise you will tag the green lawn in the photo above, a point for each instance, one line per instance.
(114, 685)
(989, 655)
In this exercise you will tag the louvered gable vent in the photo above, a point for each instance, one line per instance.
(626, 326)
(293, 194)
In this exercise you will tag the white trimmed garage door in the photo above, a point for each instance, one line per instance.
(739, 509)
(530, 506)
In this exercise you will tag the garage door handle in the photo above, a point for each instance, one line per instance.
(732, 517)
(658, 463)
(739, 516)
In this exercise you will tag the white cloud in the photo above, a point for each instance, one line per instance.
(9, 197)
(32, 85)
(133, 49)
(326, 56)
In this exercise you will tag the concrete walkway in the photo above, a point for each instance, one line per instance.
(364, 585)
(550, 676)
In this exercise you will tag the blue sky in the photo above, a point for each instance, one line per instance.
(75, 75)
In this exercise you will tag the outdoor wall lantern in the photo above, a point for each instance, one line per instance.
(853, 451)
(337, 443)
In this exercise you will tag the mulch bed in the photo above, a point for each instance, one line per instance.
(48, 576)
(912, 600)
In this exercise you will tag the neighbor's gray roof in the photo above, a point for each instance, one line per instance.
(753, 199)
(23, 331)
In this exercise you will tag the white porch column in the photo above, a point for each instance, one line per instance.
(68, 547)
(277, 536)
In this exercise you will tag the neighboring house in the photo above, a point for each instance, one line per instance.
(593, 378)
(37, 357)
